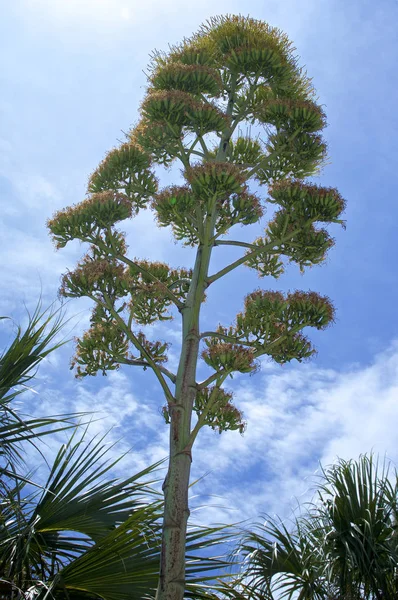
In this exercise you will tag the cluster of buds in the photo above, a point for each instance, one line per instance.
(226, 356)
(148, 284)
(249, 47)
(158, 139)
(95, 276)
(221, 414)
(244, 151)
(184, 110)
(215, 179)
(289, 115)
(156, 350)
(125, 169)
(264, 309)
(304, 245)
(242, 208)
(85, 220)
(179, 207)
(305, 202)
(101, 347)
(271, 322)
(176, 206)
(290, 155)
(194, 79)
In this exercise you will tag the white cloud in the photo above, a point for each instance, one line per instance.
(296, 417)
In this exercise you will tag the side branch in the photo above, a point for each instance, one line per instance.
(259, 250)
(263, 163)
(145, 364)
(260, 352)
(235, 243)
(141, 269)
(202, 418)
(136, 343)
(227, 338)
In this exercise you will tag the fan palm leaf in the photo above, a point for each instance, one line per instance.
(344, 546)
(18, 365)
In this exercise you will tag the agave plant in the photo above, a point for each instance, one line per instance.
(344, 545)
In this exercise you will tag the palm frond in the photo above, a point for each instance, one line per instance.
(18, 364)
(344, 546)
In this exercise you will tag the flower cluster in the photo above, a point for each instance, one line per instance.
(176, 206)
(289, 114)
(85, 220)
(125, 169)
(221, 355)
(266, 311)
(221, 414)
(156, 350)
(271, 322)
(215, 179)
(102, 347)
(194, 79)
(94, 276)
(184, 210)
(243, 208)
(159, 139)
(307, 202)
(292, 155)
(148, 285)
(248, 46)
(183, 110)
(301, 242)
(244, 151)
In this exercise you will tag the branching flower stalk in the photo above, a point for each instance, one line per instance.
(234, 71)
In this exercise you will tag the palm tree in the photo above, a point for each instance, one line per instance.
(343, 546)
(82, 534)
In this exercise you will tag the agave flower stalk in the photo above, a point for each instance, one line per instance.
(234, 71)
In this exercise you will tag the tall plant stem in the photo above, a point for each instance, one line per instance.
(175, 487)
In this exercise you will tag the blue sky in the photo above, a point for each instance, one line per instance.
(72, 78)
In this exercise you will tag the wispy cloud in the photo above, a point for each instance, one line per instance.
(297, 417)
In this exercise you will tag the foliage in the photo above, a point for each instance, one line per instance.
(18, 364)
(344, 545)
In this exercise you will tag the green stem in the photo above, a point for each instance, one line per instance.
(176, 510)
(136, 343)
(202, 418)
(235, 243)
(227, 338)
(260, 352)
(143, 363)
(259, 250)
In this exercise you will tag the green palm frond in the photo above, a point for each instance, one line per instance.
(125, 563)
(282, 561)
(76, 507)
(88, 535)
(27, 350)
(357, 505)
(78, 498)
(18, 364)
(345, 545)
